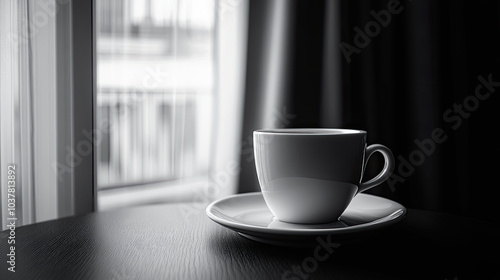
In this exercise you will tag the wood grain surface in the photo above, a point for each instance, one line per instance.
(178, 241)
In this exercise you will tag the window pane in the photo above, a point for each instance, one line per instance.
(154, 89)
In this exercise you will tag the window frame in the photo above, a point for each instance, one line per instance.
(84, 96)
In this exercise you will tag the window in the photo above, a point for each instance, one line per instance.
(142, 113)
(155, 90)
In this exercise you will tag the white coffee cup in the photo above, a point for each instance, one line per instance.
(311, 175)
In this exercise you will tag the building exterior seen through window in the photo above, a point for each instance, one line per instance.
(155, 90)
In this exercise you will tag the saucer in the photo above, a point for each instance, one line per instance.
(248, 215)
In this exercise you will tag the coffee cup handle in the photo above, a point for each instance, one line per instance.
(386, 171)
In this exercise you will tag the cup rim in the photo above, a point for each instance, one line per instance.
(309, 131)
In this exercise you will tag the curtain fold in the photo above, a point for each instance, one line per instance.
(405, 71)
(16, 110)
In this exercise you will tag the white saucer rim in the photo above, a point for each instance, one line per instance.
(396, 217)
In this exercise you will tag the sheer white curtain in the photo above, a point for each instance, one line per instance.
(36, 108)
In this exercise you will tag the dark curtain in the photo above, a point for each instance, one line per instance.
(422, 77)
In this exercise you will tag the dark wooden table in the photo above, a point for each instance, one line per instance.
(178, 241)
